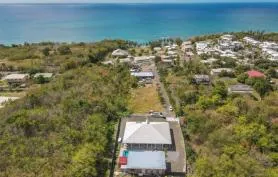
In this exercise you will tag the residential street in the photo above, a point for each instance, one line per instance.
(164, 94)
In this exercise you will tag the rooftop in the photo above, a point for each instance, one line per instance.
(4, 99)
(16, 76)
(222, 69)
(240, 87)
(45, 75)
(201, 76)
(142, 74)
(146, 160)
(120, 52)
(254, 73)
(147, 133)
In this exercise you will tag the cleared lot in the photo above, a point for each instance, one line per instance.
(145, 99)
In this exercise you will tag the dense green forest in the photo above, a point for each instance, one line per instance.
(65, 127)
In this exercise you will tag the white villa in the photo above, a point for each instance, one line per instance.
(143, 75)
(143, 148)
(251, 41)
(217, 71)
(4, 99)
(147, 135)
(209, 61)
(44, 75)
(16, 78)
(143, 59)
(240, 88)
(120, 53)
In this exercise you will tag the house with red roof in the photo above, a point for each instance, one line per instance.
(255, 74)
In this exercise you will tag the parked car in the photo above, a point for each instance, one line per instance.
(171, 108)
(157, 114)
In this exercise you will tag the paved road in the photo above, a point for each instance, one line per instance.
(177, 157)
(164, 94)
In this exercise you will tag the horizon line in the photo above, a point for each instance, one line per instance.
(13, 3)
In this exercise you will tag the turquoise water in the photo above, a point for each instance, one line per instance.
(140, 22)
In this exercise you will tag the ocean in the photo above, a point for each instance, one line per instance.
(138, 22)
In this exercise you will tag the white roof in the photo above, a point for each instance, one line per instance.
(142, 74)
(157, 48)
(16, 76)
(189, 53)
(147, 133)
(120, 52)
(142, 58)
(187, 43)
(4, 99)
(218, 70)
(45, 75)
(125, 60)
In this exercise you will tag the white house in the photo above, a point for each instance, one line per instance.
(120, 53)
(4, 99)
(16, 78)
(209, 61)
(217, 71)
(201, 79)
(274, 57)
(157, 49)
(251, 41)
(44, 75)
(144, 147)
(240, 88)
(227, 37)
(143, 59)
(143, 75)
(147, 135)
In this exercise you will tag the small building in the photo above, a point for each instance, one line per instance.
(216, 72)
(209, 61)
(166, 57)
(4, 100)
(168, 62)
(189, 54)
(255, 74)
(120, 53)
(227, 37)
(157, 49)
(251, 41)
(127, 60)
(143, 59)
(44, 75)
(151, 163)
(16, 78)
(201, 79)
(187, 46)
(171, 53)
(109, 62)
(143, 75)
(240, 88)
(186, 43)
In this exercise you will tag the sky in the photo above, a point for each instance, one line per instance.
(128, 1)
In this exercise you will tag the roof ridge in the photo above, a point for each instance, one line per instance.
(160, 132)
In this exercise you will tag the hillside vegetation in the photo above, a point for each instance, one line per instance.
(65, 127)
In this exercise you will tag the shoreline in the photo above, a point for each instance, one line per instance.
(136, 41)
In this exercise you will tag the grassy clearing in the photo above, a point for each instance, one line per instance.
(145, 99)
